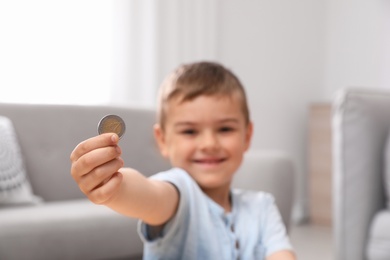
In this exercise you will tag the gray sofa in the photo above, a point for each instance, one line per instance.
(65, 225)
(361, 124)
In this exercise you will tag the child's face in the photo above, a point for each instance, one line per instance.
(207, 137)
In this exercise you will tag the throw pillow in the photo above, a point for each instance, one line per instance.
(15, 188)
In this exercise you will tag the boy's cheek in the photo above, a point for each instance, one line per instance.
(164, 153)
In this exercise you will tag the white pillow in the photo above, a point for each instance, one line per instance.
(15, 188)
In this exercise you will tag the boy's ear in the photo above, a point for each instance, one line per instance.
(160, 139)
(248, 135)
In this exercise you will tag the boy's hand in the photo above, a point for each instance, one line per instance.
(95, 166)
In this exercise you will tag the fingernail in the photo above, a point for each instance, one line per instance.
(118, 149)
(114, 138)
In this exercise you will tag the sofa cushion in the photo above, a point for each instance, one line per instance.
(74, 229)
(379, 240)
(15, 189)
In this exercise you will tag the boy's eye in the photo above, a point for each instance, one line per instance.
(188, 132)
(226, 129)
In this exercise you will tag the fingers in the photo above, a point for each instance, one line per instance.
(99, 176)
(95, 166)
(92, 153)
(93, 143)
(106, 192)
(94, 159)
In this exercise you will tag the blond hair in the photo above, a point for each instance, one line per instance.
(192, 80)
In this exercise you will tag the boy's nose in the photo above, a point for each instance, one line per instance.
(209, 141)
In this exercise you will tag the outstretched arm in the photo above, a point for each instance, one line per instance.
(96, 167)
(282, 255)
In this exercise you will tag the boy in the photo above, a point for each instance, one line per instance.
(190, 211)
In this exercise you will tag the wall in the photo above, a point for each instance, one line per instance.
(358, 44)
(55, 51)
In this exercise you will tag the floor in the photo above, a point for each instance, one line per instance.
(312, 242)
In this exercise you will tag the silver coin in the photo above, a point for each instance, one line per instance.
(112, 124)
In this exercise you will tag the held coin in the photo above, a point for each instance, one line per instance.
(112, 124)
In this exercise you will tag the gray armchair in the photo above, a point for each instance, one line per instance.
(361, 122)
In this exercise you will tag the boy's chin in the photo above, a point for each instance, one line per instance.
(210, 180)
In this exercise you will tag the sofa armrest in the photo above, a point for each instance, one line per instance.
(361, 119)
(272, 172)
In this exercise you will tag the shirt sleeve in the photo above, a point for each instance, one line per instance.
(180, 180)
(275, 235)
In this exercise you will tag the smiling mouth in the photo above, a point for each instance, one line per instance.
(210, 161)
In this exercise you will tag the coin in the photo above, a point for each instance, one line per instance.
(112, 124)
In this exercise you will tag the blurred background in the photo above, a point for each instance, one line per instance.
(288, 54)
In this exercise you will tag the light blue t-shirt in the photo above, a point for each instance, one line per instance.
(202, 230)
